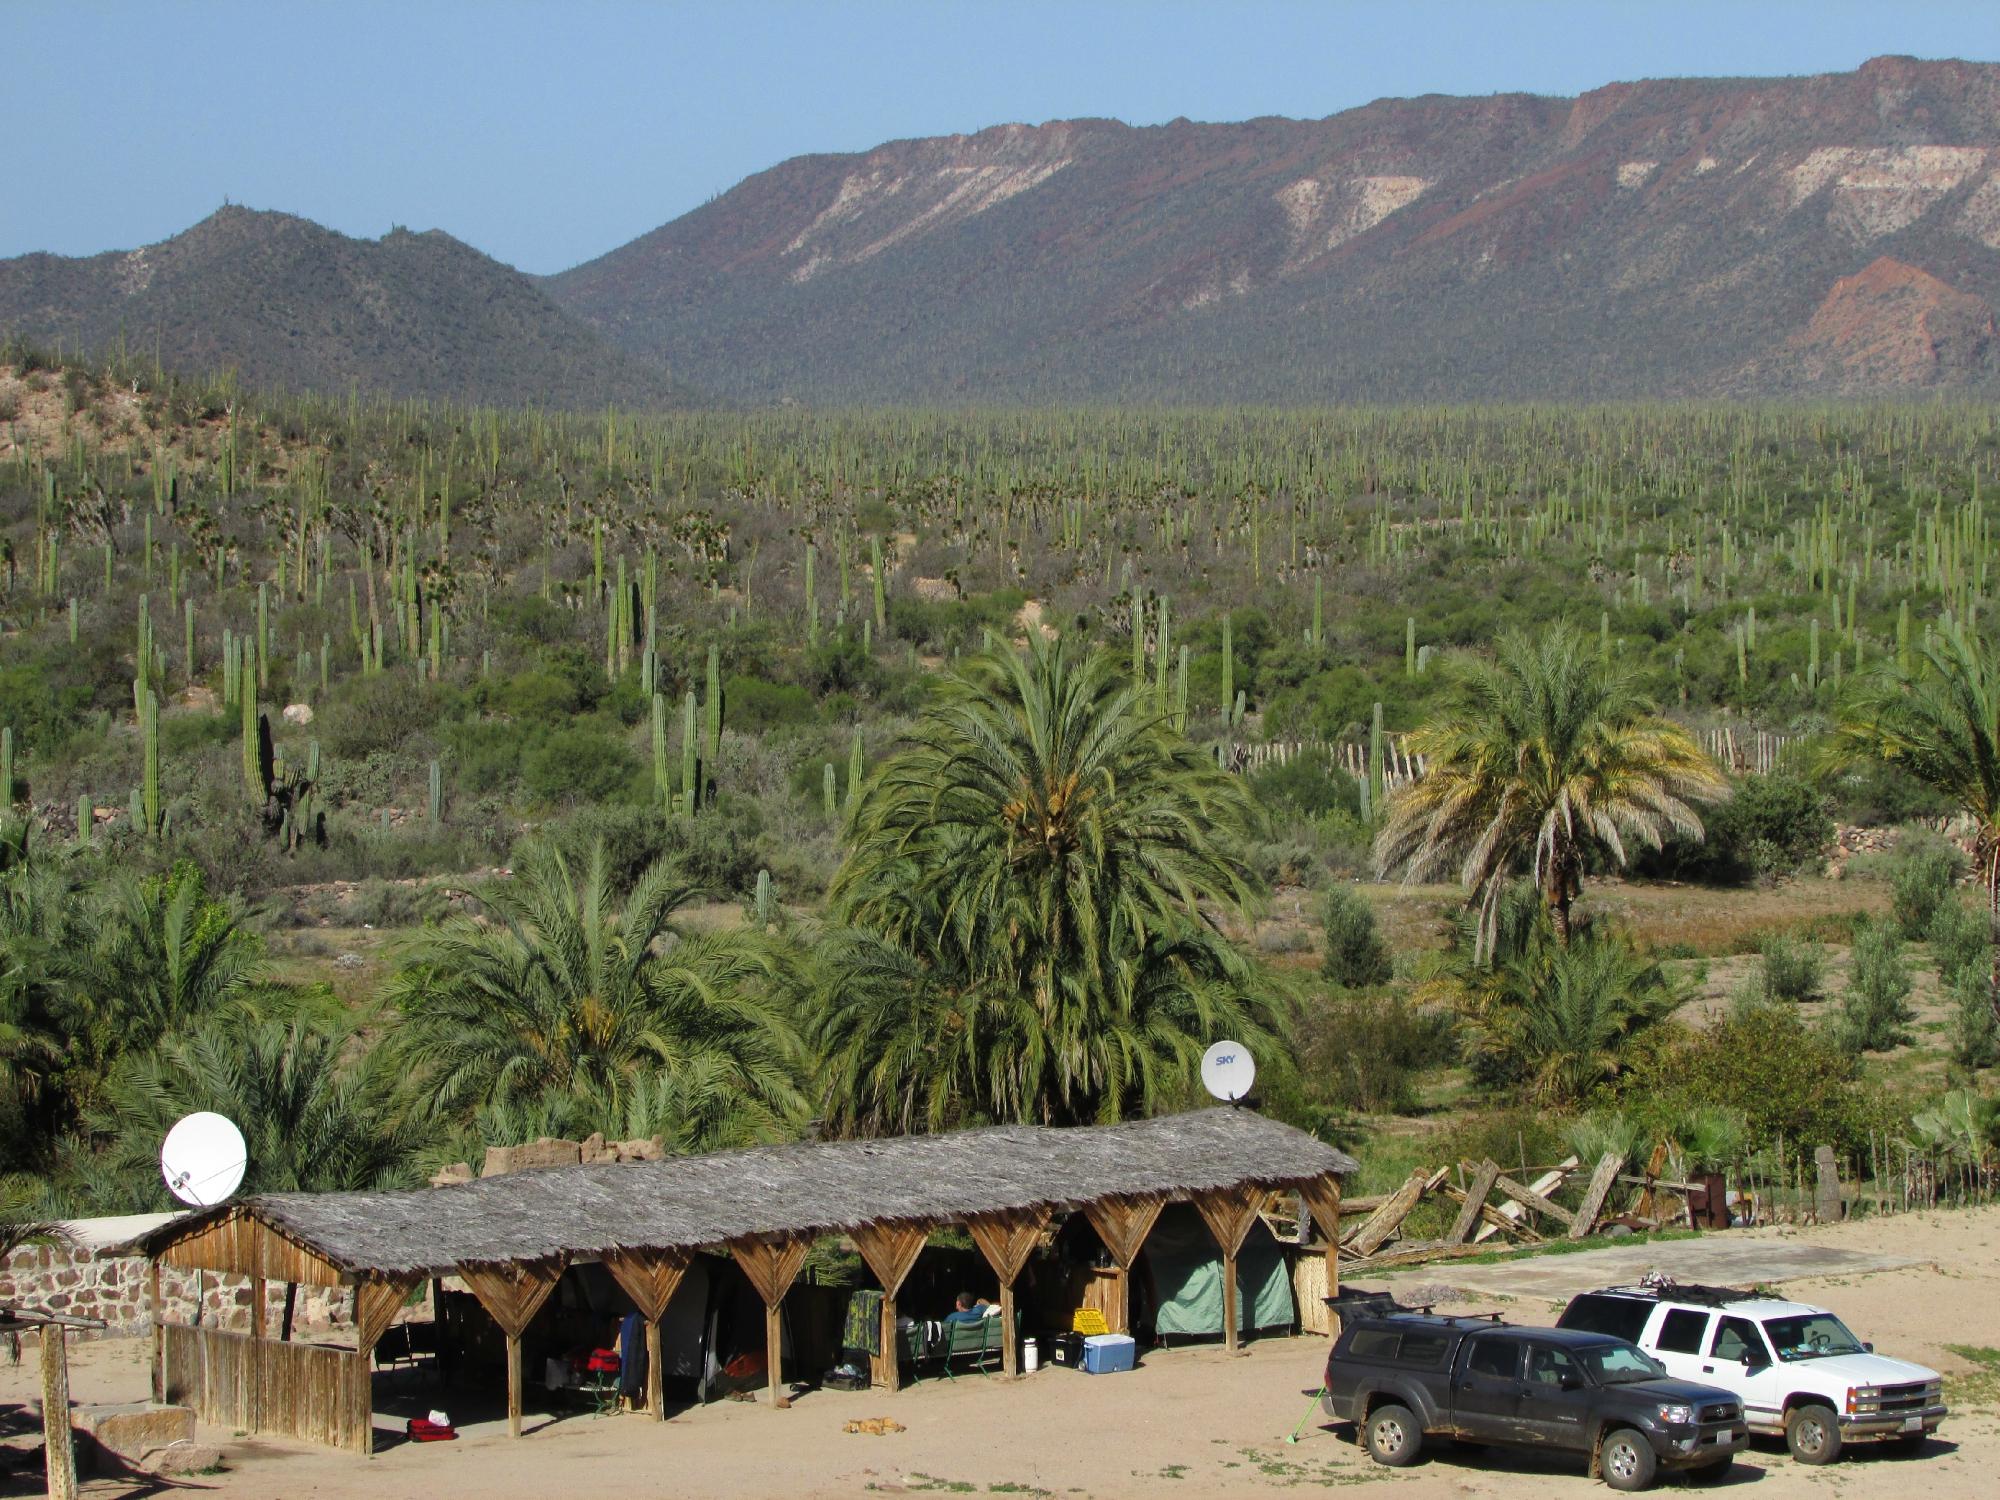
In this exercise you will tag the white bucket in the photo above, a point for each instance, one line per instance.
(1031, 1356)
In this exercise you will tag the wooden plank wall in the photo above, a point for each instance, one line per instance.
(309, 1391)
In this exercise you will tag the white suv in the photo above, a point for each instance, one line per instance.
(1797, 1369)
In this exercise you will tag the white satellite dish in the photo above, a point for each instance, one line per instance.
(203, 1158)
(1228, 1070)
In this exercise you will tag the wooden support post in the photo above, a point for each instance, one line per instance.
(58, 1447)
(772, 1266)
(512, 1295)
(1322, 1200)
(1006, 1240)
(650, 1278)
(376, 1304)
(1123, 1224)
(159, 1336)
(1483, 1179)
(890, 1250)
(1229, 1216)
(256, 1361)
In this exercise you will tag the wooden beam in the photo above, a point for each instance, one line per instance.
(650, 1278)
(1229, 1215)
(1533, 1198)
(772, 1266)
(376, 1303)
(1515, 1213)
(58, 1447)
(1007, 1240)
(890, 1250)
(1378, 1227)
(1123, 1224)
(1594, 1195)
(1483, 1178)
(512, 1294)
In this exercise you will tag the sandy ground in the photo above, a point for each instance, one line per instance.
(1188, 1422)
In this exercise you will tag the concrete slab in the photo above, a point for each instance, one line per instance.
(1729, 1259)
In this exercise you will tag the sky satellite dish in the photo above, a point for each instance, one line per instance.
(202, 1159)
(1227, 1071)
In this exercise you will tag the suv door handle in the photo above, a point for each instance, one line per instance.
(1708, 1369)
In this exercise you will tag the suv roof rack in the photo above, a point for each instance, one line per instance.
(1665, 1289)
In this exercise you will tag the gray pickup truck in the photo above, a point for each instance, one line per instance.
(1403, 1377)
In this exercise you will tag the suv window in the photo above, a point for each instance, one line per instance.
(1547, 1365)
(1736, 1337)
(1422, 1349)
(1681, 1332)
(1498, 1357)
(1373, 1343)
(1621, 1317)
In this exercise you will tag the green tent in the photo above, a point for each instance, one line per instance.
(1186, 1268)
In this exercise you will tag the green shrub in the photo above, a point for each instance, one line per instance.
(1959, 940)
(1766, 1064)
(1355, 953)
(1794, 971)
(1875, 1012)
(1770, 826)
(1921, 878)
(1975, 1030)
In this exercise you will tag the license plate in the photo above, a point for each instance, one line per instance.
(1913, 1424)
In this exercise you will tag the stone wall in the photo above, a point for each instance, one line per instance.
(97, 1284)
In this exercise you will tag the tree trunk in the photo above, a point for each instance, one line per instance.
(1559, 915)
(1992, 873)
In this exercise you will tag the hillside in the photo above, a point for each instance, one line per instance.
(1660, 238)
(288, 303)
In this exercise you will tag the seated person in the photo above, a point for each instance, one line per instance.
(968, 1309)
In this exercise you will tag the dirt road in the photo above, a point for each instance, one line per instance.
(1189, 1422)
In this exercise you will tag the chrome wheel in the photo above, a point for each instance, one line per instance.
(1621, 1461)
(1389, 1437)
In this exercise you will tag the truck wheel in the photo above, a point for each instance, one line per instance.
(1813, 1434)
(1626, 1460)
(1394, 1436)
(1712, 1473)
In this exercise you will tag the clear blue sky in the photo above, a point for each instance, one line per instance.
(546, 134)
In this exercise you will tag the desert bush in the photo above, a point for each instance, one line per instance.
(1356, 954)
(1366, 1052)
(1875, 1012)
(1921, 879)
(578, 763)
(1770, 826)
(1794, 971)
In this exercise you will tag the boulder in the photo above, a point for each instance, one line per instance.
(458, 1171)
(298, 713)
(125, 1431)
(182, 1458)
(542, 1153)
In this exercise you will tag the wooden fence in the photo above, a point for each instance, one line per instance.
(317, 1392)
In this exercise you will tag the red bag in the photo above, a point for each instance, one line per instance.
(602, 1362)
(424, 1430)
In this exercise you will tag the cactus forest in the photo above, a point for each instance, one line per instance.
(412, 778)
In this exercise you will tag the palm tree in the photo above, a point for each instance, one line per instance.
(315, 1117)
(1547, 755)
(1032, 882)
(1554, 1019)
(567, 994)
(1939, 721)
(165, 955)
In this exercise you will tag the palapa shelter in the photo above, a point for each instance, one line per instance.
(511, 1237)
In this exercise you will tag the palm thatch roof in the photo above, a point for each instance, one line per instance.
(833, 1187)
